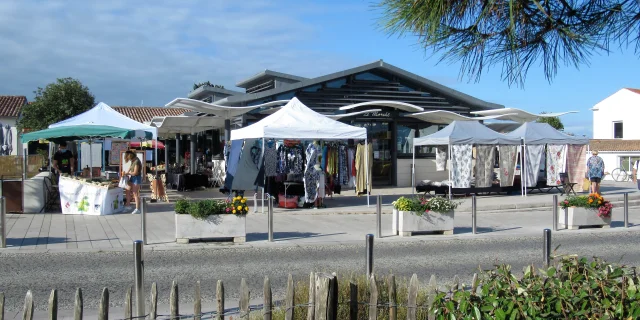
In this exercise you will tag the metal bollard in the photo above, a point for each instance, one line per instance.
(626, 210)
(555, 213)
(3, 223)
(546, 249)
(369, 242)
(474, 220)
(139, 277)
(379, 217)
(255, 203)
(270, 217)
(143, 219)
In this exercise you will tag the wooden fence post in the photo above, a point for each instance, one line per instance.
(474, 284)
(393, 298)
(290, 299)
(373, 298)
(324, 297)
(174, 308)
(103, 308)
(220, 300)
(78, 306)
(244, 299)
(311, 311)
(153, 313)
(353, 300)
(128, 302)
(53, 305)
(197, 304)
(412, 306)
(267, 306)
(27, 312)
(432, 291)
(333, 298)
(1, 305)
(456, 283)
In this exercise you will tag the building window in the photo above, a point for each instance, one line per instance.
(627, 163)
(405, 136)
(368, 76)
(336, 83)
(617, 130)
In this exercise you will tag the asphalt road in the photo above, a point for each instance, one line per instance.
(444, 258)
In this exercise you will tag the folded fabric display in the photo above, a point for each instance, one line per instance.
(425, 183)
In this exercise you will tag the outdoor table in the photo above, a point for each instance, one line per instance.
(80, 197)
(188, 181)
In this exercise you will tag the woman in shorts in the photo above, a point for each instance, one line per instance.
(595, 170)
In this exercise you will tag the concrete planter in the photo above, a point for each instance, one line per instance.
(577, 218)
(218, 227)
(407, 223)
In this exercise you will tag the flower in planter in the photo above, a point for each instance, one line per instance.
(592, 201)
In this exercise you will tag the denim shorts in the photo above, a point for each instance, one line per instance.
(137, 180)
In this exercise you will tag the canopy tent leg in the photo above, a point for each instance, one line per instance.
(192, 157)
(413, 169)
(178, 138)
(449, 169)
(227, 130)
(366, 166)
(50, 154)
(264, 182)
(90, 159)
(166, 154)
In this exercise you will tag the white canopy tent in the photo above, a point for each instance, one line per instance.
(186, 124)
(533, 133)
(446, 117)
(461, 132)
(295, 120)
(102, 114)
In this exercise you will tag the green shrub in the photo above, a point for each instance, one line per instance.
(420, 205)
(182, 206)
(201, 209)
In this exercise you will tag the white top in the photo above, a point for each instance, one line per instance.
(635, 167)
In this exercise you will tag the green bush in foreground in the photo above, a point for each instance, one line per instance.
(573, 288)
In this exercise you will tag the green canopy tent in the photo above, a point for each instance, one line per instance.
(82, 132)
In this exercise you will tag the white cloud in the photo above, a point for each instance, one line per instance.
(154, 52)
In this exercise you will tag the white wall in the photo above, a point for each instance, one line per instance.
(624, 106)
(425, 170)
(17, 145)
(611, 160)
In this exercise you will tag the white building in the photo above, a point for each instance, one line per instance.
(10, 108)
(616, 132)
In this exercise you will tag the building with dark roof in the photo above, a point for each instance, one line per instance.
(391, 131)
(10, 108)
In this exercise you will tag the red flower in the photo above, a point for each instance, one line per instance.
(426, 211)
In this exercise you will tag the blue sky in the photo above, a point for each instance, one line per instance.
(154, 53)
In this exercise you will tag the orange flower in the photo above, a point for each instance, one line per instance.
(590, 200)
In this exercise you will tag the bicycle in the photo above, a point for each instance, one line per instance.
(620, 175)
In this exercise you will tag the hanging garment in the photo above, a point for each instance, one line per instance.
(232, 163)
(343, 177)
(508, 156)
(311, 174)
(576, 164)
(485, 162)
(555, 163)
(461, 156)
(441, 158)
(270, 160)
(247, 171)
(361, 179)
(533, 155)
(321, 189)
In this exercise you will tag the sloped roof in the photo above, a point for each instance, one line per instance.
(10, 106)
(634, 90)
(145, 114)
(614, 145)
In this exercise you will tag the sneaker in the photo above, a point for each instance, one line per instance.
(136, 211)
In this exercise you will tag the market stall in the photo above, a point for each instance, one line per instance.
(455, 144)
(291, 126)
(87, 196)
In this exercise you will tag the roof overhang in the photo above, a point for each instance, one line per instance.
(385, 103)
(186, 124)
(218, 110)
(446, 117)
(519, 115)
(345, 115)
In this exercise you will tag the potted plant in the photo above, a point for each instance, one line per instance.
(582, 211)
(421, 215)
(211, 220)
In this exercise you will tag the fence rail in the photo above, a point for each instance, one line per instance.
(323, 301)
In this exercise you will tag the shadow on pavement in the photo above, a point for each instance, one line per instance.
(461, 230)
(278, 236)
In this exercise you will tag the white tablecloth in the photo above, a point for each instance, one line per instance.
(77, 197)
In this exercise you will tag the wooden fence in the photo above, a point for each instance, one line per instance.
(323, 302)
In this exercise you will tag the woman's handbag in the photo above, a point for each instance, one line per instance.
(123, 182)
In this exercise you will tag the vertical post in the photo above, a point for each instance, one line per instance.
(626, 210)
(255, 202)
(227, 130)
(555, 213)
(143, 218)
(139, 277)
(166, 155)
(270, 217)
(369, 241)
(546, 249)
(379, 217)
(474, 219)
(178, 140)
(3, 223)
(25, 157)
(192, 151)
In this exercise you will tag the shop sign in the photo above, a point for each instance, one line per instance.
(377, 114)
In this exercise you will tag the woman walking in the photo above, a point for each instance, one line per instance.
(135, 178)
(595, 170)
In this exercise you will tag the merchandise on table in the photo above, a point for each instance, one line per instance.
(81, 196)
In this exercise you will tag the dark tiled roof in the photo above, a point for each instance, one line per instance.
(614, 145)
(10, 106)
(145, 114)
(634, 90)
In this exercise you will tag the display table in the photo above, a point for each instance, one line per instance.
(80, 197)
(187, 181)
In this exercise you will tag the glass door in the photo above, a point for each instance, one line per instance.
(379, 135)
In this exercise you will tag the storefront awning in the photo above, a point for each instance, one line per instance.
(519, 115)
(225, 112)
(383, 103)
(186, 124)
(446, 117)
(344, 115)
